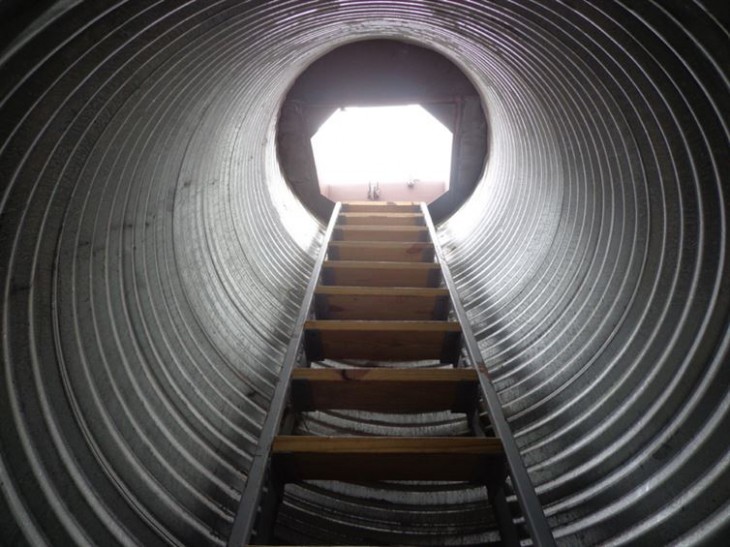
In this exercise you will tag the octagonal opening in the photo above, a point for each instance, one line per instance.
(370, 76)
(391, 153)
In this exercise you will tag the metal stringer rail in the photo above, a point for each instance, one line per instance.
(247, 508)
(524, 489)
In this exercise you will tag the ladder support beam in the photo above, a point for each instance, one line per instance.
(247, 508)
(524, 489)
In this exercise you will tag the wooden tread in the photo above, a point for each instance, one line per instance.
(363, 459)
(383, 340)
(366, 273)
(381, 207)
(359, 232)
(396, 391)
(397, 251)
(384, 303)
(378, 219)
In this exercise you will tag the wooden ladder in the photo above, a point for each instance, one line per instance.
(378, 295)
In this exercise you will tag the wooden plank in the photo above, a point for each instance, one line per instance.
(363, 459)
(399, 251)
(398, 391)
(379, 219)
(380, 233)
(384, 326)
(383, 340)
(384, 303)
(373, 291)
(381, 207)
(381, 274)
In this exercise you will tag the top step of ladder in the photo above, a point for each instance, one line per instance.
(381, 207)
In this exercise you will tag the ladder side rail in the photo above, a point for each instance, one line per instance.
(524, 489)
(251, 497)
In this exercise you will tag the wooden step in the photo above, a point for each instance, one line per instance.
(379, 219)
(383, 340)
(400, 251)
(384, 303)
(356, 273)
(396, 391)
(365, 459)
(358, 232)
(381, 207)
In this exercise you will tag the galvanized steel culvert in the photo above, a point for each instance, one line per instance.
(153, 260)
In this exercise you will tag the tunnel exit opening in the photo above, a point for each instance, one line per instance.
(366, 76)
(392, 153)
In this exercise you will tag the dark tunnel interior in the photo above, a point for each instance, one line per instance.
(153, 260)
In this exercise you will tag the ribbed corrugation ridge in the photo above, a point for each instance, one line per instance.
(153, 260)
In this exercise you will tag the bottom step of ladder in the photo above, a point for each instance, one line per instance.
(367, 459)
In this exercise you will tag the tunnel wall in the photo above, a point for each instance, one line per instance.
(153, 261)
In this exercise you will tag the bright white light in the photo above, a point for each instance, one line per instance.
(382, 144)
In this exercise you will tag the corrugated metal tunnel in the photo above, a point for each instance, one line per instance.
(153, 260)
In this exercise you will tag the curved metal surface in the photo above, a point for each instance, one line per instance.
(153, 261)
